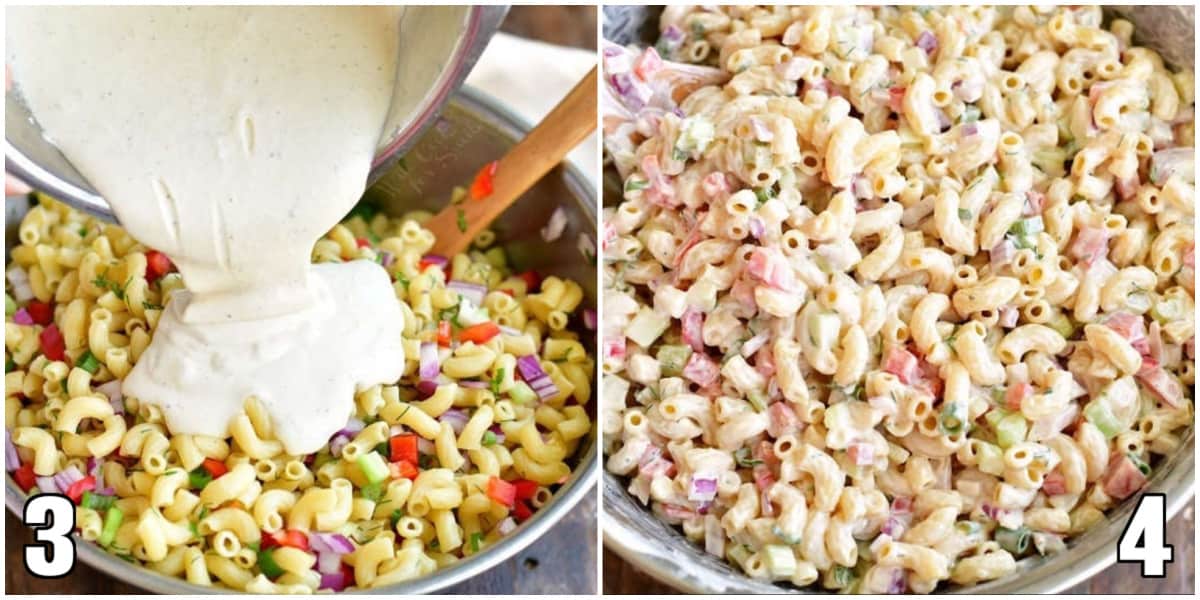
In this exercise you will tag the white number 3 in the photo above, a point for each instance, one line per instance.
(1144, 539)
(52, 517)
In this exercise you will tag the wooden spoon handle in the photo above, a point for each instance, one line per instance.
(572, 120)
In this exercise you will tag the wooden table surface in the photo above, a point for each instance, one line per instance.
(562, 562)
(622, 578)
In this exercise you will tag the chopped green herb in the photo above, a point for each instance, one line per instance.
(634, 184)
(744, 458)
(475, 539)
(497, 379)
(964, 214)
(267, 564)
(151, 306)
(396, 516)
(462, 220)
(199, 478)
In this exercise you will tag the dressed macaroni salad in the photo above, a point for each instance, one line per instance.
(439, 466)
(895, 296)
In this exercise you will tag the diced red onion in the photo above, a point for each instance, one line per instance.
(426, 388)
(531, 371)
(673, 33)
(112, 389)
(507, 526)
(106, 491)
(893, 527)
(67, 477)
(472, 291)
(333, 581)
(436, 259)
(612, 51)
(429, 366)
(753, 344)
(337, 444)
(757, 228)
(47, 485)
(353, 426)
(12, 461)
(901, 505)
(927, 42)
(762, 133)
(969, 130)
(1008, 316)
(589, 319)
(456, 418)
(1046, 427)
(425, 446)
(555, 225)
(898, 584)
(328, 562)
(1002, 253)
(386, 258)
(22, 317)
(703, 487)
(335, 543)
(19, 279)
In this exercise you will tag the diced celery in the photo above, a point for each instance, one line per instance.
(672, 358)
(635, 183)
(112, 522)
(373, 467)
(1027, 227)
(757, 399)
(954, 418)
(991, 458)
(779, 560)
(521, 393)
(1011, 430)
(738, 553)
(695, 133)
(646, 326)
(1063, 325)
(1015, 541)
(1098, 414)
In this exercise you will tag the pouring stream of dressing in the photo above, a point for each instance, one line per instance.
(231, 138)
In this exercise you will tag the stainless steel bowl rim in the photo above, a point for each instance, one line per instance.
(581, 482)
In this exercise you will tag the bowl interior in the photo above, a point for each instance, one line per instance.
(637, 535)
(471, 131)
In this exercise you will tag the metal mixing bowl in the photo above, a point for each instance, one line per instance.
(660, 550)
(472, 130)
(439, 45)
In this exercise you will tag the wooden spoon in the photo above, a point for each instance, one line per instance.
(572, 120)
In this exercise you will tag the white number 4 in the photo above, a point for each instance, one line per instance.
(1144, 539)
(52, 517)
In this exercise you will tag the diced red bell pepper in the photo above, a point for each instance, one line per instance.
(53, 345)
(157, 265)
(402, 469)
(896, 98)
(76, 490)
(1054, 484)
(404, 447)
(501, 491)
(42, 313)
(692, 324)
(526, 489)
(521, 511)
(290, 538)
(362, 242)
(532, 280)
(901, 363)
(443, 333)
(215, 467)
(25, 477)
(483, 184)
(425, 263)
(1016, 394)
(480, 333)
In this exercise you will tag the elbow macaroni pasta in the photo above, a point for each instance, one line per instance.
(891, 291)
(420, 480)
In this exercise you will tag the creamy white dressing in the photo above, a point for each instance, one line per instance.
(231, 139)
